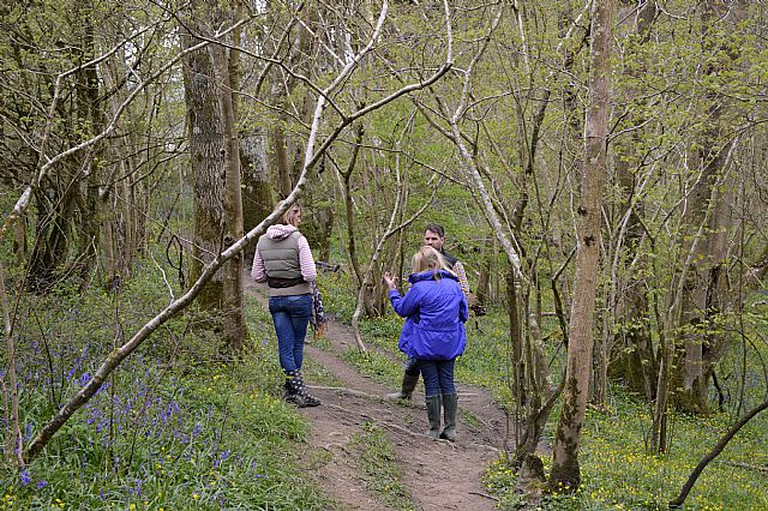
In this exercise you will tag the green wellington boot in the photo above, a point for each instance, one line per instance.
(433, 413)
(450, 407)
(406, 392)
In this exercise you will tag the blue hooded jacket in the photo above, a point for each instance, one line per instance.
(435, 310)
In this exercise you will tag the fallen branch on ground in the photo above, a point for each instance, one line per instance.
(346, 390)
(491, 497)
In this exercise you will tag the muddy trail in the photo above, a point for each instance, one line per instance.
(436, 474)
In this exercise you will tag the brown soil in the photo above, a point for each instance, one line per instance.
(437, 474)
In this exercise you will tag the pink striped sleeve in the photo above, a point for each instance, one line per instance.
(306, 261)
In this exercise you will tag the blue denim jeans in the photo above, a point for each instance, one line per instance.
(438, 376)
(290, 315)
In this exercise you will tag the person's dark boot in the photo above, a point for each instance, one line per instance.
(433, 414)
(408, 386)
(307, 399)
(450, 407)
(291, 389)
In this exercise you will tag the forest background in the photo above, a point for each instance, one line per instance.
(600, 168)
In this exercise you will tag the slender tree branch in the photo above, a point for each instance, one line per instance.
(714, 453)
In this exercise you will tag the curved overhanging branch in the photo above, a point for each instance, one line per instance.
(114, 358)
(453, 133)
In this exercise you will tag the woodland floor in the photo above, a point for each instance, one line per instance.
(436, 474)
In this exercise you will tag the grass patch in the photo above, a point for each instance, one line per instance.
(378, 367)
(378, 462)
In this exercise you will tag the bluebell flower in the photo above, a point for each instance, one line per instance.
(41, 484)
(25, 477)
(224, 455)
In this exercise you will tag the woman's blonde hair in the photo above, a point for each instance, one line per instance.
(427, 258)
(292, 216)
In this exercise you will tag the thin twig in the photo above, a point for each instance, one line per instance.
(481, 494)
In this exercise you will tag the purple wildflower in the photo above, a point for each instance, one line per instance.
(224, 455)
(41, 484)
(25, 477)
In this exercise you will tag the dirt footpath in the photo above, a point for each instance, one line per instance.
(437, 474)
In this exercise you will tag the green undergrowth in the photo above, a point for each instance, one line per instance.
(177, 426)
(377, 460)
(378, 367)
(619, 473)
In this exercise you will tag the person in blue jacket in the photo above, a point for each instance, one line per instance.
(435, 309)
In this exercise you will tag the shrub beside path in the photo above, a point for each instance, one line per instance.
(436, 475)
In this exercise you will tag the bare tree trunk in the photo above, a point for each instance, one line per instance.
(233, 317)
(20, 244)
(706, 217)
(90, 111)
(14, 442)
(349, 206)
(207, 148)
(278, 143)
(566, 474)
(215, 153)
(257, 191)
(518, 362)
(483, 282)
(288, 153)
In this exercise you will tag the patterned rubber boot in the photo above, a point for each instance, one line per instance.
(307, 399)
(292, 388)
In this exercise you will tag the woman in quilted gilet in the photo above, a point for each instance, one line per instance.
(284, 261)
